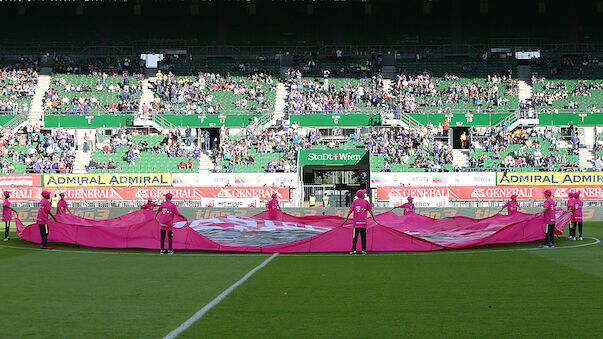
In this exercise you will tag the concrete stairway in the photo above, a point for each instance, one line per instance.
(389, 116)
(82, 160)
(36, 109)
(389, 72)
(205, 163)
(279, 106)
(524, 77)
(460, 158)
(586, 158)
(147, 96)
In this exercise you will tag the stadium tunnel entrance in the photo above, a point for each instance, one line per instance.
(331, 177)
(461, 137)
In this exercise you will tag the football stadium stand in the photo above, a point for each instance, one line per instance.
(409, 120)
(37, 152)
(18, 83)
(126, 152)
(213, 93)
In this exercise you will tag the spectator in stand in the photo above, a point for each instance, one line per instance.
(598, 163)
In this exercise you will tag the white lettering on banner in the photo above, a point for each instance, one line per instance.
(501, 192)
(587, 191)
(346, 156)
(420, 192)
(246, 193)
(22, 194)
(93, 194)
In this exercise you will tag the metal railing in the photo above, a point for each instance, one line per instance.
(266, 117)
(509, 120)
(409, 120)
(163, 122)
(16, 121)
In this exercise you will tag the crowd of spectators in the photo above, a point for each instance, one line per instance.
(530, 151)
(559, 90)
(99, 93)
(411, 93)
(415, 147)
(311, 96)
(197, 95)
(174, 144)
(18, 81)
(285, 144)
(37, 152)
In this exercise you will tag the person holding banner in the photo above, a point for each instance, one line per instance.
(549, 219)
(166, 221)
(7, 214)
(273, 207)
(44, 210)
(359, 207)
(511, 205)
(407, 207)
(62, 207)
(570, 203)
(149, 206)
(577, 215)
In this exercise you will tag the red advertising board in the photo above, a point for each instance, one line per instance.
(156, 193)
(487, 193)
(28, 180)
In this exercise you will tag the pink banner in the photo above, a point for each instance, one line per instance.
(386, 193)
(143, 193)
(392, 232)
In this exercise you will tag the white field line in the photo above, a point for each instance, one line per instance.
(185, 325)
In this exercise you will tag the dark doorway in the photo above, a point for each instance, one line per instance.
(460, 134)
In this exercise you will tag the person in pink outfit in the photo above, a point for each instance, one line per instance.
(44, 210)
(7, 214)
(360, 207)
(549, 219)
(408, 207)
(149, 206)
(576, 210)
(273, 207)
(511, 205)
(168, 211)
(62, 207)
(570, 203)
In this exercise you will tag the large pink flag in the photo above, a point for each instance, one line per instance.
(289, 233)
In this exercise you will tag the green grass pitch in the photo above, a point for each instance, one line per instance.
(494, 291)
